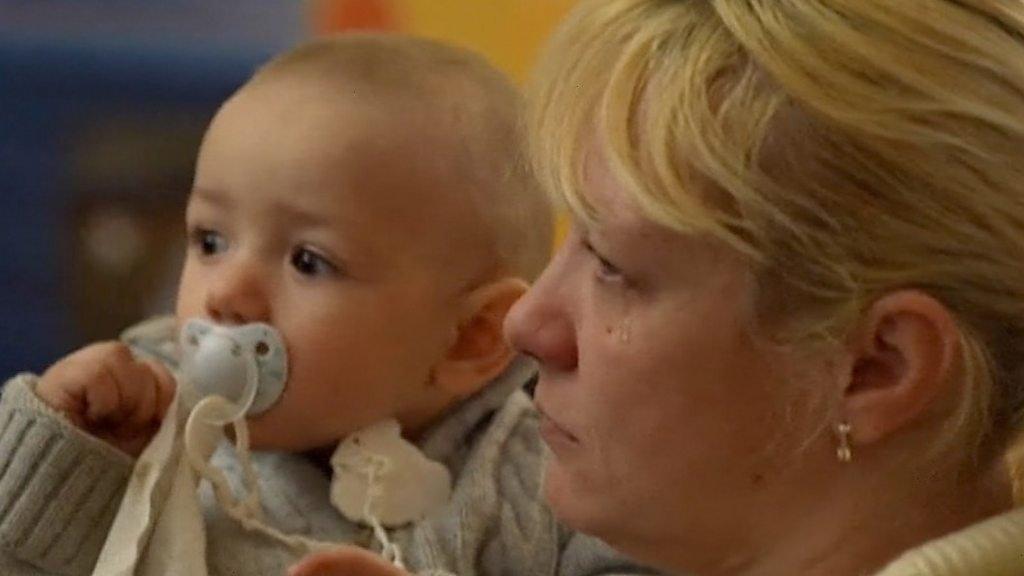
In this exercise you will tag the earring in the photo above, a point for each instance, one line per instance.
(844, 453)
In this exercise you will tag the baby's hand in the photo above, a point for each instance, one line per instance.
(107, 392)
(345, 561)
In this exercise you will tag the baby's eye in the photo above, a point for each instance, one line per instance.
(209, 242)
(309, 263)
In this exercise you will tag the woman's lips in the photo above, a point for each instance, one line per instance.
(553, 433)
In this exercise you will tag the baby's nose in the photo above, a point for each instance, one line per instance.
(236, 296)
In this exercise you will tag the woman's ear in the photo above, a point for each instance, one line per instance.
(904, 358)
(479, 352)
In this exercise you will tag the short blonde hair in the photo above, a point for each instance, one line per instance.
(475, 100)
(847, 147)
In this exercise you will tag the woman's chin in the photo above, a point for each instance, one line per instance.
(578, 503)
(571, 501)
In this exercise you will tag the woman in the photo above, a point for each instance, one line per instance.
(786, 334)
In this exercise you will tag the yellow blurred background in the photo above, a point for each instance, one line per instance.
(509, 32)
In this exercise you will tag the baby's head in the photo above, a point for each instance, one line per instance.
(365, 196)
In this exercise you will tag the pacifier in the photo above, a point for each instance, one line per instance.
(246, 365)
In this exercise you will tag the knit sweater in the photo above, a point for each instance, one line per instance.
(60, 490)
(993, 547)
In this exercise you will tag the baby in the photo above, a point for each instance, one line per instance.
(363, 195)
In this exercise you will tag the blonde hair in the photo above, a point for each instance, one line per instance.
(465, 95)
(847, 147)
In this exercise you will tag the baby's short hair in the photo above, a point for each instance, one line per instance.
(479, 102)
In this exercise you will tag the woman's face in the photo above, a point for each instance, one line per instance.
(671, 427)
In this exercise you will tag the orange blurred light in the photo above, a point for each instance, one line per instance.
(338, 15)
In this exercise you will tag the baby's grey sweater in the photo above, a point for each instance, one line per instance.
(60, 490)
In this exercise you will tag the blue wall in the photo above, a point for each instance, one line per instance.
(65, 64)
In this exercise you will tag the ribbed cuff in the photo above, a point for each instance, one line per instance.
(59, 487)
(992, 547)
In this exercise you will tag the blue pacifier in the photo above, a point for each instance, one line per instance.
(246, 365)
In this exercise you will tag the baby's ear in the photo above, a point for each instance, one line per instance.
(480, 352)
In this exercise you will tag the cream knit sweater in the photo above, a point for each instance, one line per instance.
(994, 547)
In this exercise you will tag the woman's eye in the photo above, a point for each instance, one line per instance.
(309, 263)
(606, 270)
(209, 242)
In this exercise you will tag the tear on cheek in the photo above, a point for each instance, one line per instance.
(621, 332)
(625, 331)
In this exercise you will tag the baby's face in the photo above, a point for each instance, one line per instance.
(303, 215)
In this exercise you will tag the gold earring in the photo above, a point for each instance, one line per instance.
(844, 453)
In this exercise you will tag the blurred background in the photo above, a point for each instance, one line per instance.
(102, 106)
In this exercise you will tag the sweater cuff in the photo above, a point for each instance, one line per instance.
(59, 487)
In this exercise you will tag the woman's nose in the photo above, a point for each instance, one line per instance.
(540, 325)
(236, 295)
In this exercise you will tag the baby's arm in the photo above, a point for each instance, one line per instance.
(60, 484)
